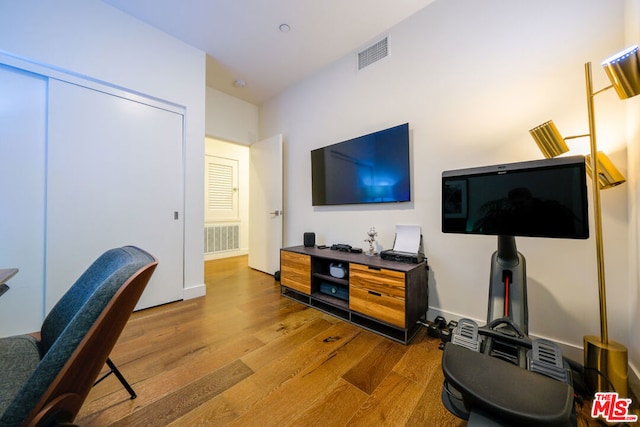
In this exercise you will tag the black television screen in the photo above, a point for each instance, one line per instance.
(373, 168)
(541, 198)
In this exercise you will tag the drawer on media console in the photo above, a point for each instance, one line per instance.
(387, 308)
(378, 293)
(380, 280)
(295, 271)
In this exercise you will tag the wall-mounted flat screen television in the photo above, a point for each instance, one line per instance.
(540, 198)
(372, 168)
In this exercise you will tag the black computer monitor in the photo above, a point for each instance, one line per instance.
(541, 198)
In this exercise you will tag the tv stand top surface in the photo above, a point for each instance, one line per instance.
(358, 258)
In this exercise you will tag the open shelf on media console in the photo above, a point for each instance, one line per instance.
(328, 278)
(337, 302)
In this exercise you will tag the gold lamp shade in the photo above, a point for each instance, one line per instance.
(552, 144)
(623, 70)
(608, 175)
(549, 139)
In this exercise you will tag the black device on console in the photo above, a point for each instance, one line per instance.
(405, 256)
(408, 257)
(309, 239)
(341, 247)
(345, 248)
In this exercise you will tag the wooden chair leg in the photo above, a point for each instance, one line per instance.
(114, 370)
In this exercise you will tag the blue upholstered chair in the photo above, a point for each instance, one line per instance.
(45, 381)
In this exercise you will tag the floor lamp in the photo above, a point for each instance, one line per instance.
(605, 360)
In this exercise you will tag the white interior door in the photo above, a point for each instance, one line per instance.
(22, 196)
(114, 178)
(265, 201)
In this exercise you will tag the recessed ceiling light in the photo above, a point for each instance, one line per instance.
(239, 83)
(284, 28)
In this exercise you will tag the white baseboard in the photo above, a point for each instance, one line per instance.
(194, 292)
(229, 254)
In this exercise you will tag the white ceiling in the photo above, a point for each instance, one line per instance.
(242, 39)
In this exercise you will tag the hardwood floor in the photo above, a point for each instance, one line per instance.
(243, 355)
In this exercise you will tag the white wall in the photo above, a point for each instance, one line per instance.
(231, 119)
(632, 26)
(471, 78)
(92, 39)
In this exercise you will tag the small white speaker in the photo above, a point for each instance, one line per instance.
(337, 270)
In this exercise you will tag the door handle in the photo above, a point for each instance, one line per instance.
(276, 213)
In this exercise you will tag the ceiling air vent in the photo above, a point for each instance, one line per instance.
(373, 53)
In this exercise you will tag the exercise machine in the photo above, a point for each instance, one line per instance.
(496, 375)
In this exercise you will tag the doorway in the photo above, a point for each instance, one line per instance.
(240, 218)
(226, 231)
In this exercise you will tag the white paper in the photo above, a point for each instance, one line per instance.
(407, 238)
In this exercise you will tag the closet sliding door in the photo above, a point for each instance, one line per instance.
(114, 178)
(23, 106)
